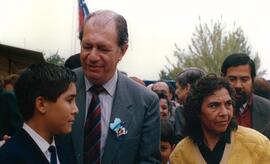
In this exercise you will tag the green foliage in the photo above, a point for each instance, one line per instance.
(56, 59)
(210, 45)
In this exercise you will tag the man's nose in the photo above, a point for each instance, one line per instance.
(93, 55)
(238, 84)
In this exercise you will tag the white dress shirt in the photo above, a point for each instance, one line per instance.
(106, 100)
(41, 142)
(242, 109)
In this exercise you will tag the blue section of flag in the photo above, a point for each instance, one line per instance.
(84, 8)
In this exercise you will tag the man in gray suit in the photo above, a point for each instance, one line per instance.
(252, 111)
(130, 121)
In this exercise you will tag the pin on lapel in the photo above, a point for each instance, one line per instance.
(118, 127)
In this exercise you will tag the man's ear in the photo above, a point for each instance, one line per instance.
(123, 50)
(40, 104)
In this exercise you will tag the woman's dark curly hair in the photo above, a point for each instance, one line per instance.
(203, 88)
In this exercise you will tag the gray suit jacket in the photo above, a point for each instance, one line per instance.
(139, 109)
(260, 112)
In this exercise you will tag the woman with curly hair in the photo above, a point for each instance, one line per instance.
(212, 134)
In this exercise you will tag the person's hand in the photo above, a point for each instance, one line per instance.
(5, 139)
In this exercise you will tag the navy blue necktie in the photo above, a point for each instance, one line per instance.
(53, 155)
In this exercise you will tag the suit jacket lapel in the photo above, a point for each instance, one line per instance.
(32, 148)
(122, 109)
(78, 126)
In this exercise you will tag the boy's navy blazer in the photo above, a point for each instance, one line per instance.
(22, 149)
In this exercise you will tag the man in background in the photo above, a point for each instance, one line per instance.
(251, 110)
(184, 81)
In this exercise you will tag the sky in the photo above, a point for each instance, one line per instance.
(155, 26)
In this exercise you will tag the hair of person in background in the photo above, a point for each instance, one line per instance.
(238, 59)
(185, 80)
(73, 61)
(10, 81)
(189, 76)
(161, 86)
(172, 91)
(167, 132)
(137, 80)
(261, 87)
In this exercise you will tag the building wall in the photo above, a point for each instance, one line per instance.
(4, 66)
(13, 59)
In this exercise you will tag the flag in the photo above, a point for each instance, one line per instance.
(83, 13)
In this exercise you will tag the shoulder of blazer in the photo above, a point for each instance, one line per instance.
(80, 77)
(20, 139)
(260, 101)
(21, 145)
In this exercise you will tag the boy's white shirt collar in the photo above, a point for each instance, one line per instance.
(41, 142)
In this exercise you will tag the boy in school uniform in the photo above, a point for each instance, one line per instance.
(46, 98)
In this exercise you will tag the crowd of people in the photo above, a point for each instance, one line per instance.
(10, 117)
(96, 114)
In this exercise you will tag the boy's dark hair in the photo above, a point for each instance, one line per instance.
(42, 79)
(203, 88)
(167, 132)
(238, 59)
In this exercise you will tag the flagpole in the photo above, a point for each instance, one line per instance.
(80, 13)
(73, 31)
